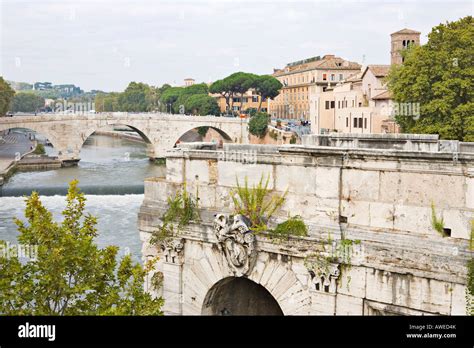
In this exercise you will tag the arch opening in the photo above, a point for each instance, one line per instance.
(239, 296)
(204, 134)
(20, 140)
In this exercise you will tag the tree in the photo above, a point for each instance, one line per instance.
(134, 98)
(170, 96)
(27, 102)
(222, 87)
(266, 86)
(258, 124)
(201, 104)
(70, 275)
(107, 102)
(239, 83)
(6, 95)
(186, 92)
(439, 77)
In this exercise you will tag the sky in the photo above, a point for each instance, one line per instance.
(105, 44)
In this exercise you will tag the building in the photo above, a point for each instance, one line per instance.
(242, 104)
(298, 78)
(401, 40)
(361, 103)
(188, 82)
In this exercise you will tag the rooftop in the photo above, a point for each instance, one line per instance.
(328, 62)
(406, 31)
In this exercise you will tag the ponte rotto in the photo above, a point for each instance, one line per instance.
(384, 201)
(68, 132)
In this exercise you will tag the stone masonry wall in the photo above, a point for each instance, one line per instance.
(381, 198)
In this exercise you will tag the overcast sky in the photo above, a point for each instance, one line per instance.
(105, 44)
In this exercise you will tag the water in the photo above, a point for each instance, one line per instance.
(111, 173)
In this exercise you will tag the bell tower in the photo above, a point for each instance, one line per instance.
(400, 41)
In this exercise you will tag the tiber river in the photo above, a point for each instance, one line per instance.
(111, 173)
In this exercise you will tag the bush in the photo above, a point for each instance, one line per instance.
(294, 226)
(258, 124)
(39, 150)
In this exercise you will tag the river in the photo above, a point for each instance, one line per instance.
(111, 173)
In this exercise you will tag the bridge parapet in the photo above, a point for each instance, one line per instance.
(380, 200)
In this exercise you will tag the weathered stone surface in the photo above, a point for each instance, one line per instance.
(381, 198)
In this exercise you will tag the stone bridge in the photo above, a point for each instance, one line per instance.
(377, 204)
(68, 132)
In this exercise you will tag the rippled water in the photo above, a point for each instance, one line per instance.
(111, 173)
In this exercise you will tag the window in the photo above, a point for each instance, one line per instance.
(333, 104)
(333, 77)
(360, 122)
(338, 104)
(255, 99)
(325, 77)
(355, 122)
(352, 102)
(365, 123)
(236, 100)
(341, 77)
(327, 104)
(347, 121)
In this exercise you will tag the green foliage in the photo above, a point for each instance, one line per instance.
(258, 124)
(134, 98)
(39, 150)
(182, 209)
(256, 203)
(70, 275)
(266, 86)
(437, 223)
(470, 287)
(107, 102)
(202, 131)
(440, 77)
(273, 135)
(26, 102)
(293, 139)
(6, 95)
(294, 226)
(201, 104)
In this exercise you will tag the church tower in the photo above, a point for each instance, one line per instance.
(400, 41)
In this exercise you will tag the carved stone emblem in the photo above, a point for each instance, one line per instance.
(173, 250)
(236, 241)
(324, 276)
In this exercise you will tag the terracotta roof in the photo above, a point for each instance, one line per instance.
(383, 95)
(406, 31)
(377, 70)
(328, 62)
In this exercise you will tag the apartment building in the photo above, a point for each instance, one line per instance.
(299, 77)
(242, 104)
(361, 103)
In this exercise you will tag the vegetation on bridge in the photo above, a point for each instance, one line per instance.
(69, 275)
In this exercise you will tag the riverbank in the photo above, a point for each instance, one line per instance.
(27, 162)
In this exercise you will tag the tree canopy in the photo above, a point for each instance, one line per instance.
(258, 124)
(69, 275)
(6, 95)
(201, 104)
(439, 77)
(26, 102)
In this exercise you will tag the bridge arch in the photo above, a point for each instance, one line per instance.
(221, 132)
(239, 296)
(49, 135)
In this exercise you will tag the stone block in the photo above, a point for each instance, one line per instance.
(349, 305)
